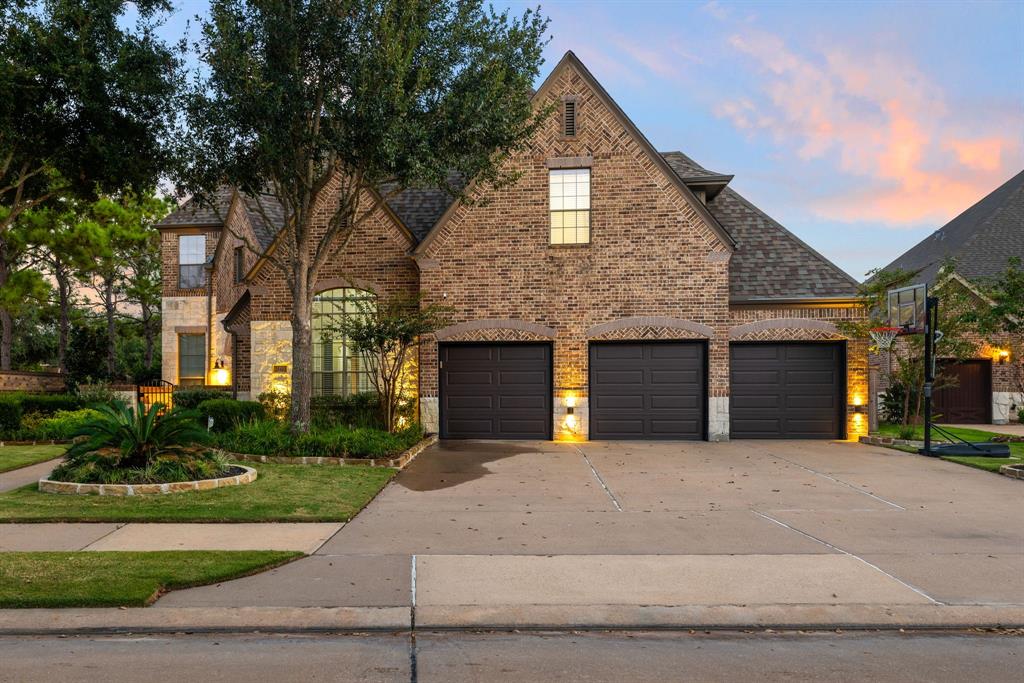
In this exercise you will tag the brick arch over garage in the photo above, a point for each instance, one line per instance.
(495, 329)
(786, 329)
(650, 327)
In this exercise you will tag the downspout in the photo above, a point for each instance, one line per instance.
(210, 346)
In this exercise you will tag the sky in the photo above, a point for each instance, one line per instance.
(860, 126)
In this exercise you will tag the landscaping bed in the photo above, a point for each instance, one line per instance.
(234, 475)
(888, 436)
(282, 493)
(121, 579)
(15, 457)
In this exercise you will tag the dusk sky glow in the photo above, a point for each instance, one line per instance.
(862, 127)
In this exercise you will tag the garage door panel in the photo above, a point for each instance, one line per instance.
(786, 390)
(647, 390)
(965, 392)
(500, 391)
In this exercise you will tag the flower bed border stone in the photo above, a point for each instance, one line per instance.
(875, 440)
(73, 488)
(1013, 471)
(398, 462)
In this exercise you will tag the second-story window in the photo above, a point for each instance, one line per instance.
(239, 264)
(191, 261)
(570, 205)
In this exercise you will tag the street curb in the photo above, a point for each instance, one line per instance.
(202, 619)
(518, 617)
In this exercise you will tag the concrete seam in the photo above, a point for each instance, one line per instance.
(324, 542)
(97, 540)
(597, 476)
(849, 554)
(838, 481)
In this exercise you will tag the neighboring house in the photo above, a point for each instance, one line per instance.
(974, 247)
(611, 292)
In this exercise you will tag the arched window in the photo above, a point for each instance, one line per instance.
(337, 369)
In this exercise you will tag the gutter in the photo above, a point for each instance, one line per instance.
(806, 300)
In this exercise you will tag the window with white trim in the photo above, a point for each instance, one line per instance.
(569, 199)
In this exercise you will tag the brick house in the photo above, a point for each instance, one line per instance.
(612, 292)
(974, 247)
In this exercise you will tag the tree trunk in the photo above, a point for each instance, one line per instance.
(6, 323)
(64, 312)
(111, 312)
(302, 349)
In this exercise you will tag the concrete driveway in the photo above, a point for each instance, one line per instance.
(610, 533)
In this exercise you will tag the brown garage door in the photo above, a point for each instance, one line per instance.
(968, 397)
(786, 391)
(652, 390)
(495, 391)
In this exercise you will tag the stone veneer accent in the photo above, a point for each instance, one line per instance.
(68, 487)
(272, 345)
(188, 313)
(1003, 403)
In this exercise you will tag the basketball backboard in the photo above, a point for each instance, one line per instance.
(907, 308)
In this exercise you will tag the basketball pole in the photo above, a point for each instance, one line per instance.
(931, 319)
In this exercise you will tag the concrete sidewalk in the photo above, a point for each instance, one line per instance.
(306, 538)
(23, 476)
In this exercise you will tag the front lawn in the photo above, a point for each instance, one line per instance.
(281, 493)
(120, 579)
(13, 457)
(989, 464)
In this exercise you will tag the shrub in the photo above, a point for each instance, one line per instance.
(189, 399)
(48, 404)
(60, 426)
(265, 437)
(122, 445)
(227, 412)
(97, 393)
(10, 414)
(277, 404)
(273, 438)
(375, 443)
(355, 410)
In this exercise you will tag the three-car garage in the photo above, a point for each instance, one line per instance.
(645, 390)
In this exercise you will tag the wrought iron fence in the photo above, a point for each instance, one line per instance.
(160, 391)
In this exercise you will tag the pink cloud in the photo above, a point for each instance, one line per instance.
(887, 126)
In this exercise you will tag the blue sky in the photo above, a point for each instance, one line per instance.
(862, 127)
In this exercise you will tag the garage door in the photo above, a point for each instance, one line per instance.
(967, 394)
(653, 390)
(495, 391)
(787, 391)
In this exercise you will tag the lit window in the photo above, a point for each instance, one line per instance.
(191, 261)
(239, 264)
(191, 359)
(337, 369)
(570, 206)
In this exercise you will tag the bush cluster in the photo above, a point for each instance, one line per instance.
(61, 426)
(274, 438)
(189, 399)
(228, 413)
(20, 413)
(355, 410)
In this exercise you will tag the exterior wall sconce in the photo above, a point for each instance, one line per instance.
(1002, 356)
(858, 408)
(219, 376)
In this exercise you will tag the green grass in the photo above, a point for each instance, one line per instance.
(120, 579)
(281, 493)
(13, 457)
(988, 464)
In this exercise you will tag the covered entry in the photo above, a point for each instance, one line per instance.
(648, 390)
(787, 390)
(495, 391)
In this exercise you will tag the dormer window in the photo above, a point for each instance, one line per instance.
(569, 118)
(569, 196)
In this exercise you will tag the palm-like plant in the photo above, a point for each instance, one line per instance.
(129, 438)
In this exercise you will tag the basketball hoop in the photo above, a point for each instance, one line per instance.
(885, 337)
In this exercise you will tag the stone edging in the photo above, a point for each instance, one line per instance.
(1014, 471)
(40, 442)
(398, 462)
(68, 487)
(890, 441)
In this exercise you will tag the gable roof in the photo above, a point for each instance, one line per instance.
(191, 214)
(981, 239)
(769, 262)
(570, 59)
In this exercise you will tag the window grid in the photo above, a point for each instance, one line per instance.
(191, 359)
(337, 369)
(191, 260)
(570, 205)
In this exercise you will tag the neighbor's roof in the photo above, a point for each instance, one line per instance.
(981, 240)
(768, 261)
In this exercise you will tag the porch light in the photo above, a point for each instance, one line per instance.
(219, 376)
(1001, 356)
(570, 400)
